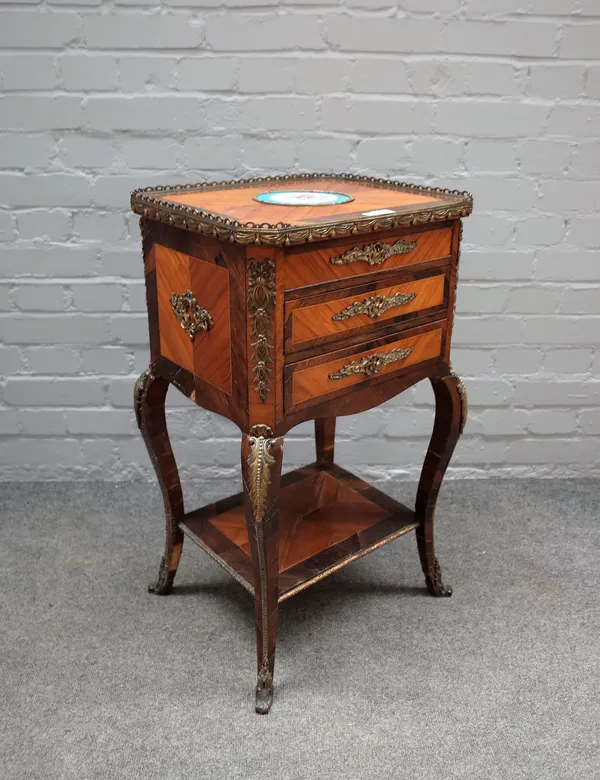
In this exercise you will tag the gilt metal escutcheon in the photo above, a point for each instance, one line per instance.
(190, 315)
(374, 306)
(371, 364)
(374, 254)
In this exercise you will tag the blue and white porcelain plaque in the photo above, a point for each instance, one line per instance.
(303, 198)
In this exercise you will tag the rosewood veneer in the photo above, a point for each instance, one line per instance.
(271, 315)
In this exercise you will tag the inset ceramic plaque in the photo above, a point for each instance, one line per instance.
(303, 198)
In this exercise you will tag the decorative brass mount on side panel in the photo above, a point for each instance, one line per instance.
(190, 315)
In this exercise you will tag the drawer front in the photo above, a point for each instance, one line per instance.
(194, 315)
(309, 381)
(332, 316)
(305, 266)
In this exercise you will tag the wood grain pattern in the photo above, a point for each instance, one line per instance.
(226, 257)
(452, 282)
(209, 355)
(173, 205)
(312, 381)
(147, 231)
(239, 204)
(315, 537)
(149, 406)
(212, 350)
(325, 440)
(446, 432)
(312, 320)
(173, 276)
(311, 264)
(363, 397)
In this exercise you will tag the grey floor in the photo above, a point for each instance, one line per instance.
(374, 678)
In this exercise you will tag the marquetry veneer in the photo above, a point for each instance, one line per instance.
(329, 317)
(271, 315)
(310, 265)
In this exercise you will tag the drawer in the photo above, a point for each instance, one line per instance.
(351, 259)
(314, 380)
(320, 319)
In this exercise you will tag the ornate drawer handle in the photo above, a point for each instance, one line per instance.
(372, 364)
(191, 317)
(374, 254)
(375, 306)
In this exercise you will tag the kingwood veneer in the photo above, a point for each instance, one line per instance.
(271, 315)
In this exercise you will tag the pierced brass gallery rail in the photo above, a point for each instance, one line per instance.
(374, 254)
(153, 203)
(375, 306)
(372, 364)
(190, 315)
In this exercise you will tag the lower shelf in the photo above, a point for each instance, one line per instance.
(328, 518)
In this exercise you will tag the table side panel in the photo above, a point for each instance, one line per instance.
(208, 355)
(212, 370)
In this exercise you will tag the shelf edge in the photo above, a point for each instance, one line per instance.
(344, 562)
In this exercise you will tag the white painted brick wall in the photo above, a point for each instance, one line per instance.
(501, 97)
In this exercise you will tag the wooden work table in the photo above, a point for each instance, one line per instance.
(270, 315)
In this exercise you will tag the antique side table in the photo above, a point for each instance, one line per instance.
(286, 299)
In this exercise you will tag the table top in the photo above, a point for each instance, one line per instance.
(230, 211)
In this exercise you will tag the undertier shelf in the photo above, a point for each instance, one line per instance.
(328, 518)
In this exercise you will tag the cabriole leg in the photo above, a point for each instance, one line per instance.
(325, 439)
(149, 403)
(262, 456)
(451, 407)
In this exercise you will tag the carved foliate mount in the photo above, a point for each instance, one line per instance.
(464, 399)
(139, 392)
(192, 317)
(371, 364)
(260, 461)
(261, 303)
(374, 254)
(374, 306)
